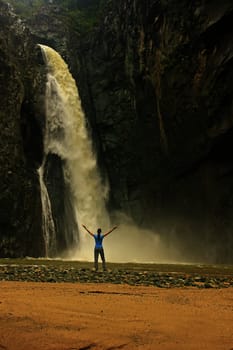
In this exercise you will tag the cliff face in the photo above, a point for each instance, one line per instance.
(21, 150)
(155, 78)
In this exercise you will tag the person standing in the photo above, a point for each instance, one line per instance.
(99, 250)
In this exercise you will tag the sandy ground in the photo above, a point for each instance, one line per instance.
(43, 316)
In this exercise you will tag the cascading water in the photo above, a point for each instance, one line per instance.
(47, 220)
(66, 136)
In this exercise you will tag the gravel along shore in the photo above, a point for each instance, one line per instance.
(162, 276)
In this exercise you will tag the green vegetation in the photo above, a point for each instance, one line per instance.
(26, 8)
(80, 15)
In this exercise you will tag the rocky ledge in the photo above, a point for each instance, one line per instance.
(162, 279)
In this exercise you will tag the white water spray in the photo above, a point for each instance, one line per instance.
(66, 136)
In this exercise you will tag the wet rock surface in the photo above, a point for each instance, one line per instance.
(135, 275)
(22, 83)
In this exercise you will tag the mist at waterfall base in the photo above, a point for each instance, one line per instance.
(66, 136)
(128, 243)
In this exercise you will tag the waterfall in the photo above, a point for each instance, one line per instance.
(66, 135)
(47, 219)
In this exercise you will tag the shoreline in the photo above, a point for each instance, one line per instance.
(156, 275)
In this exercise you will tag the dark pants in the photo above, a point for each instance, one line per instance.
(100, 251)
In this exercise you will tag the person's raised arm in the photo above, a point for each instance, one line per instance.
(90, 233)
(107, 233)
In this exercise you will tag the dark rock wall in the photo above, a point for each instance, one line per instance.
(156, 82)
(61, 199)
(21, 150)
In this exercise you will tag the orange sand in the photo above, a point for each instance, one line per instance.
(43, 316)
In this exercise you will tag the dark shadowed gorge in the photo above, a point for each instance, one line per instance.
(156, 84)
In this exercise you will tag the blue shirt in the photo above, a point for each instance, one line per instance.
(98, 241)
